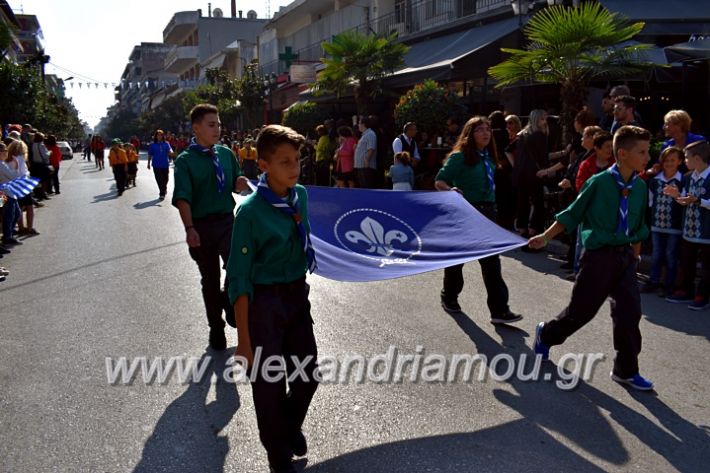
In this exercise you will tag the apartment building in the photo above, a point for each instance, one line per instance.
(195, 39)
(453, 41)
(29, 33)
(10, 24)
(144, 74)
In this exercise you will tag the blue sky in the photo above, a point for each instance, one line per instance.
(91, 40)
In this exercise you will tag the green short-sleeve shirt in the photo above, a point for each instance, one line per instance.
(471, 180)
(597, 210)
(196, 182)
(266, 247)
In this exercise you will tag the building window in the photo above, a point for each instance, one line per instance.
(431, 9)
(399, 14)
(468, 7)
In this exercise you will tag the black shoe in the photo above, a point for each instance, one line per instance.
(161, 198)
(4, 251)
(11, 241)
(285, 469)
(567, 266)
(450, 306)
(217, 339)
(298, 444)
(650, 287)
(506, 318)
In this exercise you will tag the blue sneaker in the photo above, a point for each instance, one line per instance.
(539, 347)
(636, 381)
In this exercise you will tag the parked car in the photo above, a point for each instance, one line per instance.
(67, 152)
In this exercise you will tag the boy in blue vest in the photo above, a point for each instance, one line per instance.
(271, 252)
(695, 197)
(610, 208)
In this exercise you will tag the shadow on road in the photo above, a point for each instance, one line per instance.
(145, 205)
(655, 309)
(89, 265)
(187, 435)
(542, 262)
(111, 195)
(675, 317)
(577, 416)
(511, 447)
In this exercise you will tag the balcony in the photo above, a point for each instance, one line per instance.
(181, 58)
(416, 17)
(180, 27)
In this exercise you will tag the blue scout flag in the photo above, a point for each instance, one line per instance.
(370, 235)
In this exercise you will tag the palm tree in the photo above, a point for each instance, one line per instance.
(572, 46)
(360, 61)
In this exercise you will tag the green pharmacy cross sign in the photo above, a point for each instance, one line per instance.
(288, 56)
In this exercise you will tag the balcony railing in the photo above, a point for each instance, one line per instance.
(409, 18)
(179, 26)
(180, 58)
(415, 17)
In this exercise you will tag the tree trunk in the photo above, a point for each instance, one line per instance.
(362, 94)
(573, 93)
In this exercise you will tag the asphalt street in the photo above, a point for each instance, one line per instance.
(111, 277)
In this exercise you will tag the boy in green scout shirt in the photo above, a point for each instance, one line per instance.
(611, 208)
(206, 174)
(271, 253)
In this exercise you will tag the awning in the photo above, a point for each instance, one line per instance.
(215, 62)
(679, 17)
(655, 55)
(437, 58)
(663, 10)
(698, 49)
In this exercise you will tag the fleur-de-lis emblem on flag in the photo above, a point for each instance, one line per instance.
(372, 235)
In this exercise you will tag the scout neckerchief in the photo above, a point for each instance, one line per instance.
(218, 171)
(625, 188)
(290, 208)
(489, 169)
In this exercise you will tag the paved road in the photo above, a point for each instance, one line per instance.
(111, 277)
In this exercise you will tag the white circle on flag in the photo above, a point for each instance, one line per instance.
(377, 235)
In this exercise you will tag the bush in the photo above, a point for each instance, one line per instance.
(304, 117)
(428, 105)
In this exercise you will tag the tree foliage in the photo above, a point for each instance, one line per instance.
(250, 91)
(428, 105)
(361, 62)
(572, 46)
(304, 117)
(220, 90)
(24, 98)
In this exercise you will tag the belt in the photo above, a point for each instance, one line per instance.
(615, 248)
(213, 218)
(282, 288)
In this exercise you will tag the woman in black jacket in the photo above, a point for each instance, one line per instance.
(531, 157)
